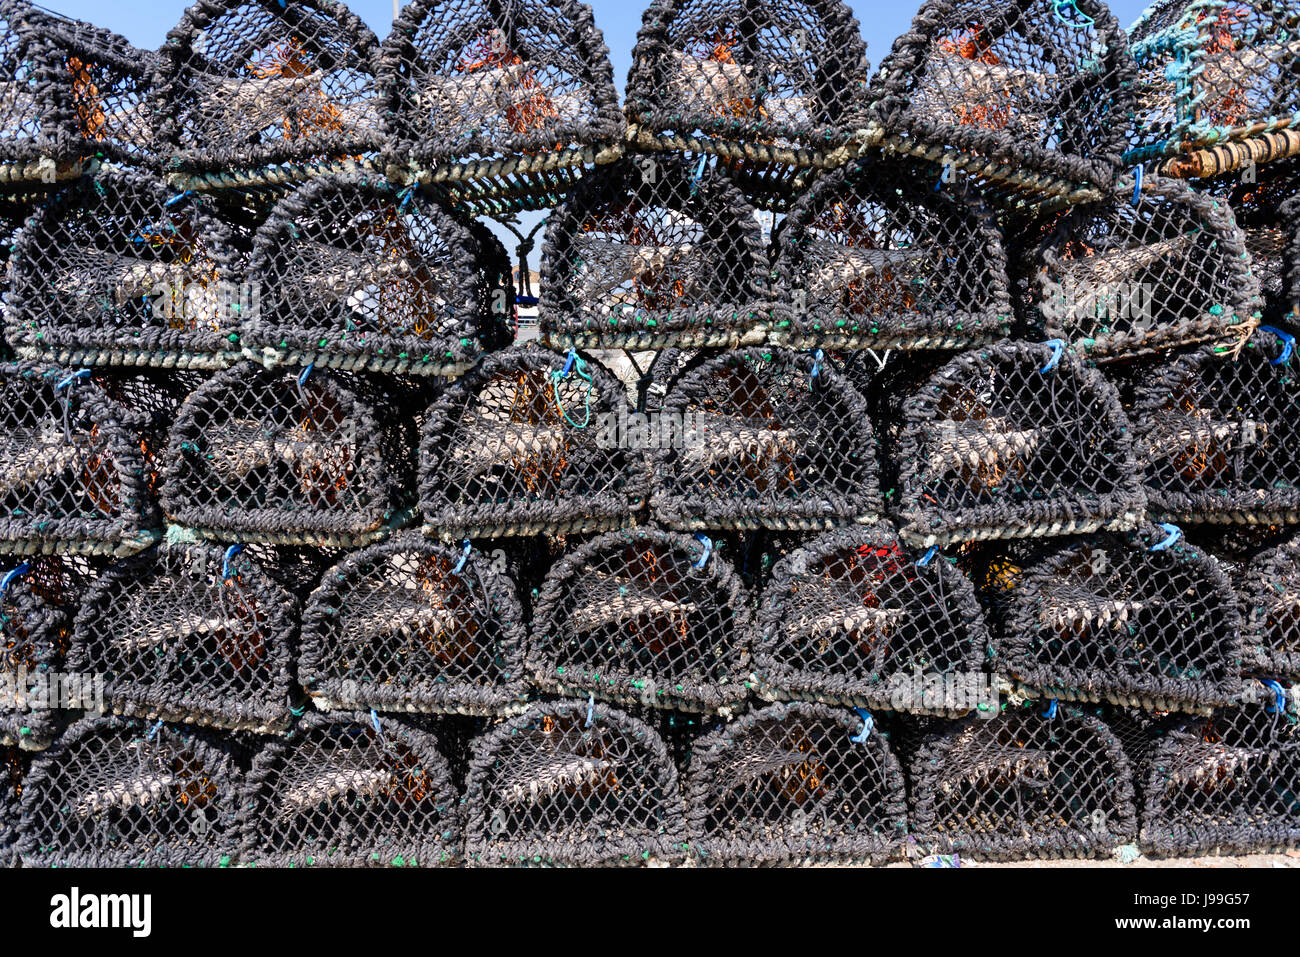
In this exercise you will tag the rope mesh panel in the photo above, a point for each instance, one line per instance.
(13, 768)
(787, 785)
(403, 625)
(853, 619)
(632, 616)
(1023, 785)
(523, 445)
(350, 790)
(117, 792)
(993, 447)
(873, 256)
(547, 788)
(1214, 434)
(1268, 589)
(766, 443)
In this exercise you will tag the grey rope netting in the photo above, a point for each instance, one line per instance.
(68, 91)
(119, 792)
(1023, 784)
(1140, 619)
(643, 616)
(1034, 85)
(795, 784)
(854, 619)
(1291, 258)
(1215, 434)
(38, 599)
(190, 634)
(1154, 265)
(292, 457)
(118, 270)
(873, 256)
(354, 274)
(13, 768)
(646, 253)
(769, 438)
(526, 443)
(572, 783)
(1017, 440)
(247, 84)
(411, 625)
(519, 91)
(1225, 784)
(350, 790)
(1268, 591)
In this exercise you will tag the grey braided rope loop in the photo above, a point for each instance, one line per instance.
(404, 625)
(350, 790)
(120, 792)
(551, 788)
(1023, 785)
(786, 785)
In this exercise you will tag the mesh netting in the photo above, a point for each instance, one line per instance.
(1213, 72)
(1023, 784)
(643, 616)
(68, 90)
(873, 256)
(13, 768)
(406, 625)
(1215, 435)
(645, 254)
(572, 783)
(118, 270)
(274, 455)
(118, 792)
(1030, 84)
(1290, 258)
(1015, 441)
(1119, 277)
(794, 784)
(38, 600)
(1225, 784)
(349, 790)
(853, 619)
(252, 83)
(769, 438)
(1139, 619)
(1268, 588)
(522, 86)
(189, 634)
(355, 275)
(528, 442)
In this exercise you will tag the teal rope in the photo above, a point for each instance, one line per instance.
(574, 363)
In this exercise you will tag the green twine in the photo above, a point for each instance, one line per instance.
(580, 366)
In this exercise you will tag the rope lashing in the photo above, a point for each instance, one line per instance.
(573, 363)
(1051, 709)
(708, 549)
(1279, 696)
(231, 552)
(68, 382)
(404, 197)
(1173, 534)
(699, 173)
(1058, 349)
(1288, 344)
(12, 574)
(464, 557)
(928, 556)
(1078, 19)
(868, 725)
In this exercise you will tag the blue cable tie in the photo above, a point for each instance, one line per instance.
(1137, 185)
(154, 730)
(708, 548)
(943, 177)
(699, 173)
(302, 376)
(1051, 709)
(868, 724)
(1173, 533)
(1288, 344)
(928, 556)
(1058, 349)
(1279, 696)
(818, 357)
(464, 557)
(374, 721)
(591, 708)
(70, 378)
(568, 363)
(13, 573)
(178, 197)
(231, 552)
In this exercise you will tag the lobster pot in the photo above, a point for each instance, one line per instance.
(1215, 435)
(853, 619)
(405, 625)
(1138, 619)
(770, 87)
(647, 617)
(572, 783)
(68, 91)
(38, 599)
(769, 438)
(1214, 73)
(1269, 595)
(1032, 89)
(354, 275)
(793, 784)
(117, 270)
(505, 102)
(873, 256)
(243, 85)
(118, 792)
(1225, 784)
(645, 255)
(1023, 785)
(350, 790)
(288, 457)
(13, 768)
(1115, 278)
(530, 442)
(1015, 441)
(1291, 260)
(189, 634)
